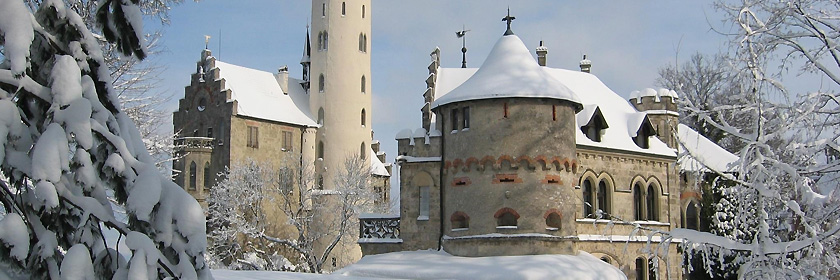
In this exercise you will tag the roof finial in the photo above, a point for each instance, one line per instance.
(509, 19)
(206, 41)
(462, 34)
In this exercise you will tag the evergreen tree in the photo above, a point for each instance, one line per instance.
(67, 152)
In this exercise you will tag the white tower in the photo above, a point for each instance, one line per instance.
(340, 82)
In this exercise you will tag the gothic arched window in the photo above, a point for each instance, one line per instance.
(363, 11)
(588, 202)
(208, 177)
(651, 201)
(321, 116)
(343, 8)
(692, 217)
(641, 268)
(320, 149)
(603, 203)
(364, 84)
(362, 151)
(321, 83)
(364, 117)
(638, 202)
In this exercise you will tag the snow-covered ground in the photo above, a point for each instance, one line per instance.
(440, 265)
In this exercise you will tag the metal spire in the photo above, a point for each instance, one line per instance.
(509, 19)
(462, 34)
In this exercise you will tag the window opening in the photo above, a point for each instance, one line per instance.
(253, 137)
(603, 204)
(637, 203)
(424, 202)
(692, 216)
(587, 199)
(466, 111)
(321, 116)
(364, 117)
(554, 112)
(460, 220)
(209, 132)
(321, 83)
(362, 150)
(192, 175)
(506, 110)
(343, 8)
(652, 210)
(641, 268)
(321, 149)
(364, 84)
(363, 11)
(506, 217)
(454, 115)
(287, 140)
(323, 9)
(208, 177)
(554, 220)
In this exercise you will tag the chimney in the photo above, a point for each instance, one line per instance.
(585, 65)
(283, 79)
(542, 51)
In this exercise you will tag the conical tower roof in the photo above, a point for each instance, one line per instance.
(509, 71)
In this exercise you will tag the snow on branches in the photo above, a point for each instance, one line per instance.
(67, 153)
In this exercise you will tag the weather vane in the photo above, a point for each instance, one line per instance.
(509, 19)
(463, 35)
(206, 41)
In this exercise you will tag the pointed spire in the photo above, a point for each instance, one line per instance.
(463, 35)
(509, 19)
(306, 47)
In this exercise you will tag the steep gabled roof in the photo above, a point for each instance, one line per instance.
(700, 154)
(258, 95)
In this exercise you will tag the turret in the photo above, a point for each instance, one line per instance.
(661, 108)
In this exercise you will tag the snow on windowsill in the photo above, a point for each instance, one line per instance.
(460, 229)
(552, 229)
(605, 221)
(423, 218)
(380, 240)
(417, 159)
(453, 131)
(378, 216)
(466, 129)
(507, 227)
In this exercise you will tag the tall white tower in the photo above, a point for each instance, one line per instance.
(340, 82)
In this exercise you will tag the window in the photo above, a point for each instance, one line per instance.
(364, 39)
(588, 202)
(454, 116)
(320, 40)
(362, 151)
(554, 112)
(460, 220)
(285, 178)
(641, 268)
(651, 270)
(638, 211)
(326, 40)
(553, 220)
(202, 104)
(208, 177)
(506, 217)
(321, 116)
(506, 110)
(424, 203)
(321, 149)
(209, 132)
(606, 259)
(364, 117)
(321, 83)
(320, 181)
(364, 84)
(192, 175)
(603, 204)
(363, 11)
(324, 9)
(692, 217)
(642, 141)
(253, 137)
(287, 141)
(343, 8)
(652, 209)
(466, 111)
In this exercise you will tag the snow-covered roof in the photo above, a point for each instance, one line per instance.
(508, 71)
(259, 95)
(656, 94)
(376, 166)
(697, 153)
(440, 265)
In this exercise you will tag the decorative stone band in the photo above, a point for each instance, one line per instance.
(194, 144)
(543, 162)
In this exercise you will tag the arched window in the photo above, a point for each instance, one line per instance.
(321, 83)
(692, 216)
(638, 202)
(364, 117)
(603, 203)
(652, 270)
(320, 151)
(651, 201)
(192, 175)
(208, 177)
(365, 43)
(553, 220)
(460, 220)
(506, 217)
(362, 150)
(326, 40)
(361, 42)
(364, 84)
(321, 40)
(324, 9)
(641, 268)
(343, 8)
(321, 116)
(363, 11)
(588, 202)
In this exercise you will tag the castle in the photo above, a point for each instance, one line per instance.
(231, 113)
(517, 158)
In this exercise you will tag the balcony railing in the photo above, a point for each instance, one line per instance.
(194, 144)
(375, 228)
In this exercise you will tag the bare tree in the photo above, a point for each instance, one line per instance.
(257, 203)
(786, 180)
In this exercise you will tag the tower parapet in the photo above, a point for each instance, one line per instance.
(661, 107)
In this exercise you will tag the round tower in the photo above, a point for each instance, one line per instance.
(661, 108)
(509, 158)
(340, 83)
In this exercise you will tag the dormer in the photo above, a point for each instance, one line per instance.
(640, 129)
(593, 122)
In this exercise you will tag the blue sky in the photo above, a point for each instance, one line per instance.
(627, 42)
